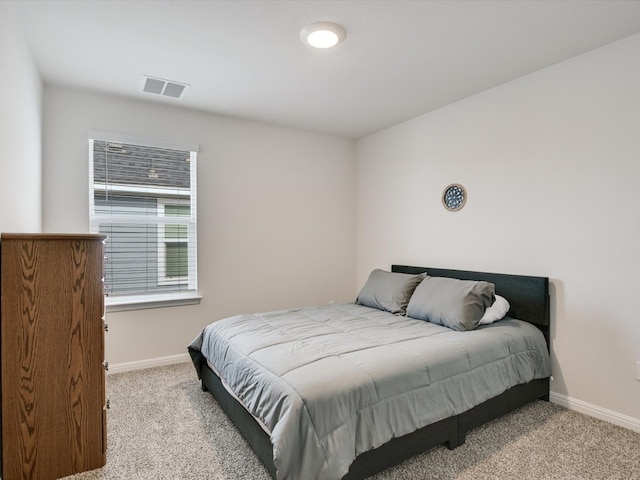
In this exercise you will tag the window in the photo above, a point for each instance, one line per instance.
(143, 197)
(173, 244)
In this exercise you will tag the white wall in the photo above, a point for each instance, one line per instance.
(276, 211)
(20, 130)
(551, 164)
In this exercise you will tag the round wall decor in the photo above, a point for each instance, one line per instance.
(454, 197)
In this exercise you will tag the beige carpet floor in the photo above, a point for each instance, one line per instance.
(162, 426)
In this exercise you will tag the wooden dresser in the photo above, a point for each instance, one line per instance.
(52, 354)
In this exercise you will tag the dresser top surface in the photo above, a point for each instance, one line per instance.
(52, 236)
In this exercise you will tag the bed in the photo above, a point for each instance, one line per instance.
(360, 445)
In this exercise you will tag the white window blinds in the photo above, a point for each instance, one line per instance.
(143, 198)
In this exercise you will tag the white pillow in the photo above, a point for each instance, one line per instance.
(495, 312)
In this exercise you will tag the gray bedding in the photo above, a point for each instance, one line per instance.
(328, 383)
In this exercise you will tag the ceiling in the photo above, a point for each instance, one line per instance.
(400, 59)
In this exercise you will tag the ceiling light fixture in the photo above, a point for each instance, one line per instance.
(323, 34)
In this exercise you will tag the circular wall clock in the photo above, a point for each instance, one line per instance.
(454, 197)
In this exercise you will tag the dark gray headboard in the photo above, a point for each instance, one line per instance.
(528, 296)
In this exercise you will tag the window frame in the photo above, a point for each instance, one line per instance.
(189, 296)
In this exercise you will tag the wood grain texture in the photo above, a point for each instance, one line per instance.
(52, 345)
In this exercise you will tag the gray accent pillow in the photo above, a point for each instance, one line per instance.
(453, 303)
(388, 291)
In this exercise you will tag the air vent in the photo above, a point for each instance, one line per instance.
(166, 88)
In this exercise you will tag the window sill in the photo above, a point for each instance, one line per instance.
(141, 302)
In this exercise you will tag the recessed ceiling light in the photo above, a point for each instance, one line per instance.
(323, 34)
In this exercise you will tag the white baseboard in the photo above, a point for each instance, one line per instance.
(149, 363)
(596, 411)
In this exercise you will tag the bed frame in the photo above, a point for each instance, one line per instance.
(529, 300)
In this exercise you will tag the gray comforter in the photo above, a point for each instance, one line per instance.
(328, 383)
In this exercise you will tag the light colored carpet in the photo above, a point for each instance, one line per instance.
(162, 426)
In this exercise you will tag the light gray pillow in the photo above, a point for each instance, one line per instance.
(388, 291)
(453, 303)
